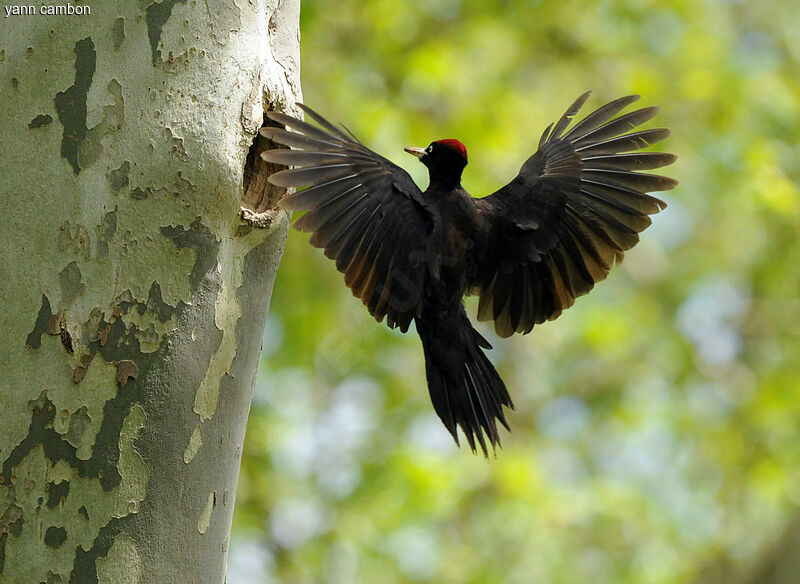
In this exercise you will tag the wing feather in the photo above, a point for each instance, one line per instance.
(365, 212)
(576, 206)
(297, 140)
(635, 161)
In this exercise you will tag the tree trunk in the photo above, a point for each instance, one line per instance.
(134, 293)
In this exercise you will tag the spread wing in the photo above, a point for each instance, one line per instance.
(572, 211)
(365, 212)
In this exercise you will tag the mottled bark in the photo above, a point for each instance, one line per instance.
(133, 292)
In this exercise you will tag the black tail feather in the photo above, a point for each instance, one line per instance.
(464, 386)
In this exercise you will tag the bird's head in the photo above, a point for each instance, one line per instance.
(445, 159)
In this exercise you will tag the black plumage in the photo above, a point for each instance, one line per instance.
(528, 250)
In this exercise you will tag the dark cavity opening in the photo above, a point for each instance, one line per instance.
(259, 196)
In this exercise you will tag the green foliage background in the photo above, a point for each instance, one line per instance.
(657, 429)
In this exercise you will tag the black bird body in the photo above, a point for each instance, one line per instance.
(527, 250)
(452, 242)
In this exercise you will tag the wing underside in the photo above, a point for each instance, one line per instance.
(576, 206)
(365, 212)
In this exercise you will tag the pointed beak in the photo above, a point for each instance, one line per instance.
(418, 152)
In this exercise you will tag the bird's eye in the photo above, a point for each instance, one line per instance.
(429, 149)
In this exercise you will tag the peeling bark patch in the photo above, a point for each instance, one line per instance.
(78, 422)
(41, 432)
(56, 493)
(66, 340)
(199, 238)
(253, 106)
(102, 336)
(139, 194)
(69, 279)
(90, 149)
(106, 231)
(105, 457)
(122, 564)
(84, 567)
(114, 344)
(57, 325)
(157, 15)
(125, 370)
(40, 120)
(205, 516)
(118, 179)
(78, 374)
(181, 188)
(131, 465)
(34, 340)
(80, 242)
(80, 370)
(55, 537)
(155, 303)
(118, 32)
(148, 339)
(15, 528)
(11, 518)
(195, 442)
(71, 104)
(184, 185)
(176, 145)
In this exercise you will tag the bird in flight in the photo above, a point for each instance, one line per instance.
(527, 251)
